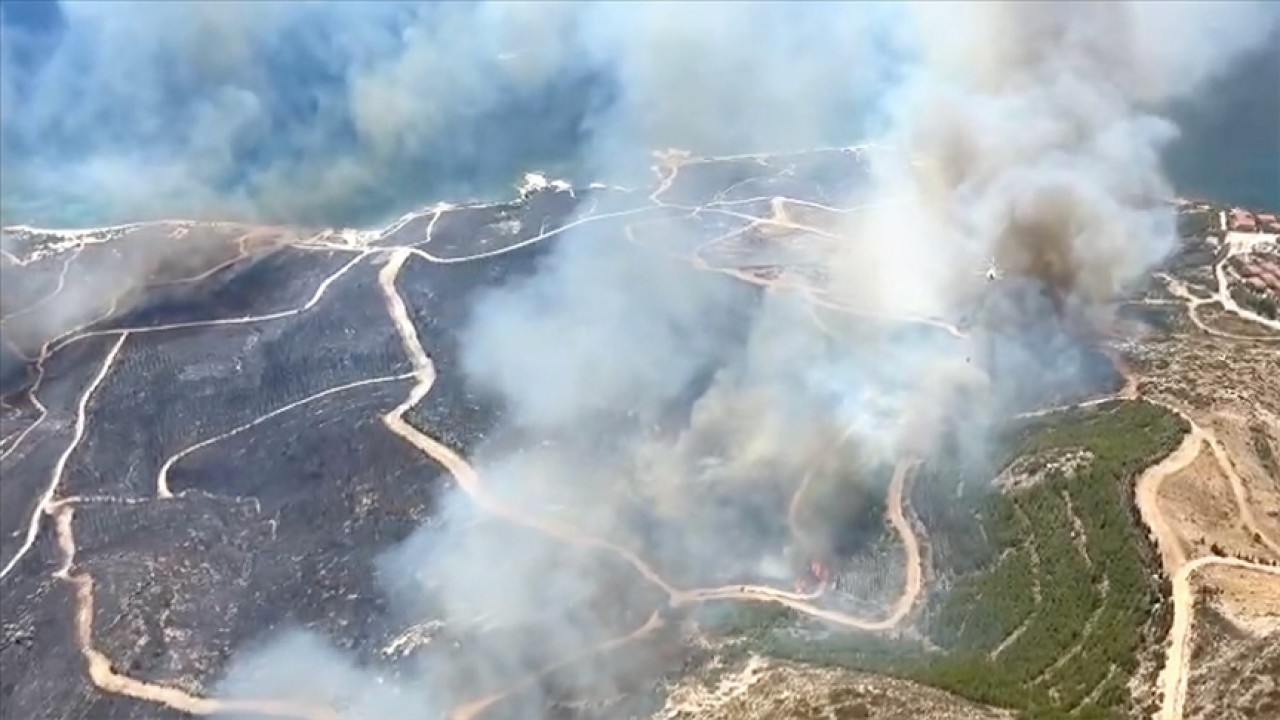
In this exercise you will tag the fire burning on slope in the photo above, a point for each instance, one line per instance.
(814, 578)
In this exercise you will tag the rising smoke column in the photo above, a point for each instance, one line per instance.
(1037, 130)
(1032, 134)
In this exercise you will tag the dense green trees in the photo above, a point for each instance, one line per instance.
(1066, 610)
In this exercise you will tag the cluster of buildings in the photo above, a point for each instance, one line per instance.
(1241, 220)
(1235, 219)
(1251, 241)
(1259, 273)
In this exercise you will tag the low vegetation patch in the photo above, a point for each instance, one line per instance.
(1260, 302)
(1028, 470)
(1262, 448)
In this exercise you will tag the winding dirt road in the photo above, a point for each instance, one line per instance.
(162, 477)
(465, 475)
(469, 481)
(98, 665)
(55, 478)
(912, 587)
(1172, 551)
(1223, 295)
(1176, 671)
(106, 679)
(1174, 675)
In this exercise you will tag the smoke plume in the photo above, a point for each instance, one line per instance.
(347, 112)
(669, 410)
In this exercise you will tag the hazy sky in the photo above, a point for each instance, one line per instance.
(337, 112)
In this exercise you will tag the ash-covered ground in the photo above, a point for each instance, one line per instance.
(266, 520)
(200, 455)
(205, 401)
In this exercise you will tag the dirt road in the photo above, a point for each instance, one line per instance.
(1172, 553)
(1177, 670)
(105, 678)
(1223, 295)
(55, 477)
(1178, 289)
(99, 667)
(901, 608)
(469, 481)
(1173, 679)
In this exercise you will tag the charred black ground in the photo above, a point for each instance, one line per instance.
(281, 523)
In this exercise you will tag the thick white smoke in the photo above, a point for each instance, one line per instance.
(1027, 133)
(341, 112)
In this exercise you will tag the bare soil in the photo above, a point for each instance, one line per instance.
(759, 689)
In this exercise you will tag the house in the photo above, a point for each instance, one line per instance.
(1242, 220)
(1269, 222)
(1272, 279)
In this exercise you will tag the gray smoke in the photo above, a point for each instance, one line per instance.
(633, 327)
(1026, 133)
(1037, 133)
(345, 112)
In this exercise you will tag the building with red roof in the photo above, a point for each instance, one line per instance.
(1242, 220)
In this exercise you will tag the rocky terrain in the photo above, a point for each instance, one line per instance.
(758, 689)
